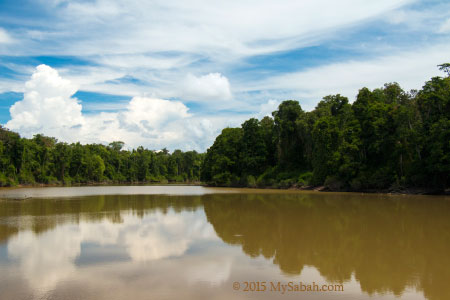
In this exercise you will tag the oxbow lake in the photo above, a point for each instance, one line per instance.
(190, 242)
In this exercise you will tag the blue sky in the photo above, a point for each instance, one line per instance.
(172, 75)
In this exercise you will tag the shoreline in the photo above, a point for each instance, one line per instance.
(402, 191)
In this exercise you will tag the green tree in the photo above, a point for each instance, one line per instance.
(221, 164)
(445, 68)
(62, 157)
(96, 168)
(253, 151)
(289, 148)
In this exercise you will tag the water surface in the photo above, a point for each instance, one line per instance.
(195, 243)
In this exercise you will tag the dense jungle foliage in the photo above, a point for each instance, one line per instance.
(386, 139)
(44, 160)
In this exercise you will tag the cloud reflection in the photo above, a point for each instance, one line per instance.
(159, 236)
(48, 258)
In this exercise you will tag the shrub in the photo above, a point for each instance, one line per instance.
(25, 176)
(304, 178)
(333, 183)
(356, 184)
(3, 180)
(222, 179)
(250, 181)
(287, 183)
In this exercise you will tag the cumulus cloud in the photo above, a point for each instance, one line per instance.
(149, 114)
(48, 107)
(213, 86)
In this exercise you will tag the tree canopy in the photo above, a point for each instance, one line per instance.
(45, 160)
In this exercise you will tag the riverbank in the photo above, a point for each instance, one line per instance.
(397, 191)
(105, 183)
(334, 189)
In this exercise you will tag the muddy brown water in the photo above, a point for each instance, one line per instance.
(192, 242)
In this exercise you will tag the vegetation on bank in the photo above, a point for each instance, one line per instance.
(387, 139)
(43, 160)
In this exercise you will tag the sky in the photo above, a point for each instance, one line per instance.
(175, 73)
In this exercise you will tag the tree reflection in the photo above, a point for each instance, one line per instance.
(40, 215)
(388, 243)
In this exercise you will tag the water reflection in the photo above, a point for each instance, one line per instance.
(121, 246)
(166, 232)
(46, 259)
(388, 243)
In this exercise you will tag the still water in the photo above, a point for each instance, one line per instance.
(204, 243)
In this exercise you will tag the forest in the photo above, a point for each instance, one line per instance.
(387, 139)
(43, 160)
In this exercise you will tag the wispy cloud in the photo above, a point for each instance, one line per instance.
(409, 68)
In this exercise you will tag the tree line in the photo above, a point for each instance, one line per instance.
(44, 160)
(386, 139)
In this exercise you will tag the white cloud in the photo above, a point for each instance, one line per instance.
(216, 28)
(139, 61)
(105, 106)
(166, 35)
(213, 86)
(153, 123)
(266, 109)
(96, 10)
(4, 37)
(419, 21)
(149, 114)
(49, 108)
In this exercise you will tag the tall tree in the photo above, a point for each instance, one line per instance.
(289, 148)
